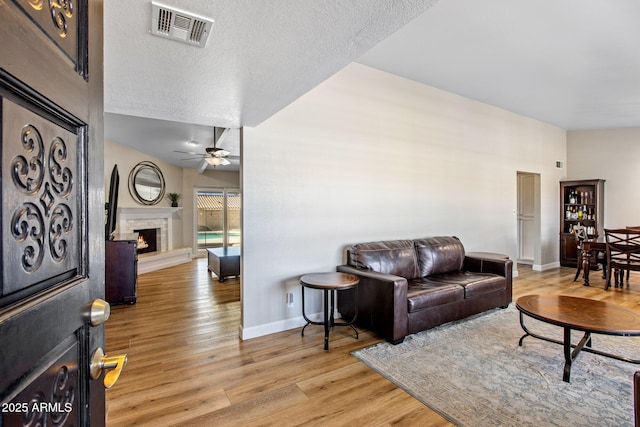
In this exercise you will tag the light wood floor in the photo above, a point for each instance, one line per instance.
(187, 366)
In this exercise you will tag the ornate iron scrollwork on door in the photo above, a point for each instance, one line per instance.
(62, 21)
(49, 219)
(41, 201)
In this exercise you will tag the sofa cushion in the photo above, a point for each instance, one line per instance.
(474, 284)
(397, 257)
(423, 293)
(439, 255)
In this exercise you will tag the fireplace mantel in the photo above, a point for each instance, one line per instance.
(130, 218)
(149, 211)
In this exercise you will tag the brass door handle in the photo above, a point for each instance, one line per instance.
(100, 362)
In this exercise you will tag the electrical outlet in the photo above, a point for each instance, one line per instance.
(289, 300)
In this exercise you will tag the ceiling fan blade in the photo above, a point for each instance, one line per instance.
(190, 152)
(194, 158)
(203, 166)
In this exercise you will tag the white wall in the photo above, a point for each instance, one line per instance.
(367, 155)
(613, 155)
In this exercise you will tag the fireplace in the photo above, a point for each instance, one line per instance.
(159, 219)
(147, 240)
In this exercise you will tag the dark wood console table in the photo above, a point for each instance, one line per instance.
(121, 271)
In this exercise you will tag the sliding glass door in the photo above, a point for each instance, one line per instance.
(218, 218)
(232, 229)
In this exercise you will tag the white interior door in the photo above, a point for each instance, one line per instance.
(526, 217)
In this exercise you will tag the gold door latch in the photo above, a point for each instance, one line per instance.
(100, 362)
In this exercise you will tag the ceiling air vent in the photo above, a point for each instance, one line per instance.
(179, 25)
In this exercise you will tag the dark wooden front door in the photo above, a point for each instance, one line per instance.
(52, 221)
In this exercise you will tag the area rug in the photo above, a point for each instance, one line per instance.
(474, 373)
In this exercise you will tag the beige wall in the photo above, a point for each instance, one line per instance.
(613, 155)
(177, 180)
(367, 155)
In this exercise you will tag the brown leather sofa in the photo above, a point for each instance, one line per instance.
(636, 398)
(407, 286)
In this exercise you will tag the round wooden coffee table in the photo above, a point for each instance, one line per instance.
(580, 314)
(329, 283)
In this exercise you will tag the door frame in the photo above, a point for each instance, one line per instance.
(532, 198)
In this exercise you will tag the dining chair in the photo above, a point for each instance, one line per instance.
(630, 227)
(595, 257)
(623, 253)
(580, 233)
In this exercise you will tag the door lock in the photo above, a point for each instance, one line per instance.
(98, 312)
(100, 362)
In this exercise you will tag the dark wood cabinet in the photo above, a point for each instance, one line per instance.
(121, 271)
(581, 202)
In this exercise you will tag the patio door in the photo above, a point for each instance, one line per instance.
(218, 217)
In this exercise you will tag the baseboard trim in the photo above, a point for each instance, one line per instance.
(274, 327)
(543, 267)
(271, 328)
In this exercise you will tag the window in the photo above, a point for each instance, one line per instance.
(218, 218)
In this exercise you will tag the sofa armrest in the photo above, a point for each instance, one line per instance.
(382, 303)
(501, 267)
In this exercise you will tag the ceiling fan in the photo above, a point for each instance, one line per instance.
(215, 156)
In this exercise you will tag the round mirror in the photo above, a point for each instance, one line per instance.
(146, 183)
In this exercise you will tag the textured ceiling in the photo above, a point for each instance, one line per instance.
(261, 55)
(571, 63)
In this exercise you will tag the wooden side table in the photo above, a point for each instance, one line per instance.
(329, 283)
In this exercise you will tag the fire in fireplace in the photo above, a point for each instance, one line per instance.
(147, 240)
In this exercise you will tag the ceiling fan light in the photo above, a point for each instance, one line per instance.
(215, 161)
